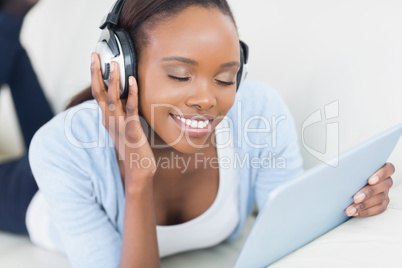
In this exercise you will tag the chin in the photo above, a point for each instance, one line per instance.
(189, 145)
(183, 138)
(182, 143)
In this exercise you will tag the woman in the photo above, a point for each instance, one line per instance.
(127, 181)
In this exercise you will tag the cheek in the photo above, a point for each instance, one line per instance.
(148, 94)
(154, 106)
(145, 108)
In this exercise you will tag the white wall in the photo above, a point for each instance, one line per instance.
(313, 52)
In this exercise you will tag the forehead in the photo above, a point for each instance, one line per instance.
(194, 32)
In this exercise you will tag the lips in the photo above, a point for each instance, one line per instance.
(191, 131)
(194, 123)
(197, 116)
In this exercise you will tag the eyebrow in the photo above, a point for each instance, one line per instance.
(193, 62)
(230, 64)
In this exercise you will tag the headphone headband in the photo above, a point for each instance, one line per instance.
(112, 19)
(115, 44)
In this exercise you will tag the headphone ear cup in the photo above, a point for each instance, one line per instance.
(241, 75)
(105, 55)
(130, 58)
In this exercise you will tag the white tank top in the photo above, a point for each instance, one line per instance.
(219, 220)
(207, 230)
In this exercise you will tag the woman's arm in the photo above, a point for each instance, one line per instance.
(85, 232)
(140, 247)
(139, 235)
(283, 150)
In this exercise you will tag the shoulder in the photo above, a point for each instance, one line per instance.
(254, 90)
(261, 118)
(73, 128)
(258, 102)
(62, 142)
(257, 98)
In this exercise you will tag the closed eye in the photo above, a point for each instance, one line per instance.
(183, 79)
(223, 83)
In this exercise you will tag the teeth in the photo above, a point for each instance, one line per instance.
(193, 123)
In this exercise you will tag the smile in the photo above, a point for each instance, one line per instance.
(196, 128)
(193, 123)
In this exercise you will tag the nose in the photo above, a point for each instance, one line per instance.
(201, 97)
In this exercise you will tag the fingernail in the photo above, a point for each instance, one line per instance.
(359, 197)
(374, 179)
(92, 58)
(357, 214)
(351, 211)
(131, 81)
(112, 67)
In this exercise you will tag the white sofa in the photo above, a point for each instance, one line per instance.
(313, 52)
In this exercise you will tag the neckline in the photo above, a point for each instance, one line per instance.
(217, 197)
(209, 209)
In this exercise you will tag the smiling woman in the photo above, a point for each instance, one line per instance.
(175, 98)
(201, 79)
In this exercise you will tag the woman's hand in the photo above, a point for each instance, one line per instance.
(123, 125)
(373, 199)
(139, 235)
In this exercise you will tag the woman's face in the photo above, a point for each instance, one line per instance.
(188, 68)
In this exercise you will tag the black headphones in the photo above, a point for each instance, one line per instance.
(115, 44)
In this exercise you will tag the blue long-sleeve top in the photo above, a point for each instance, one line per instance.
(74, 163)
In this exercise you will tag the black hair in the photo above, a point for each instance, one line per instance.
(139, 16)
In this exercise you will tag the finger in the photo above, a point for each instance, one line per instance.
(374, 210)
(97, 84)
(371, 202)
(98, 88)
(134, 132)
(113, 93)
(371, 190)
(386, 171)
(132, 100)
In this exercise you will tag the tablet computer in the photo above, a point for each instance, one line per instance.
(313, 203)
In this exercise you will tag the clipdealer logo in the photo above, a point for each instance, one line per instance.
(331, 112)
